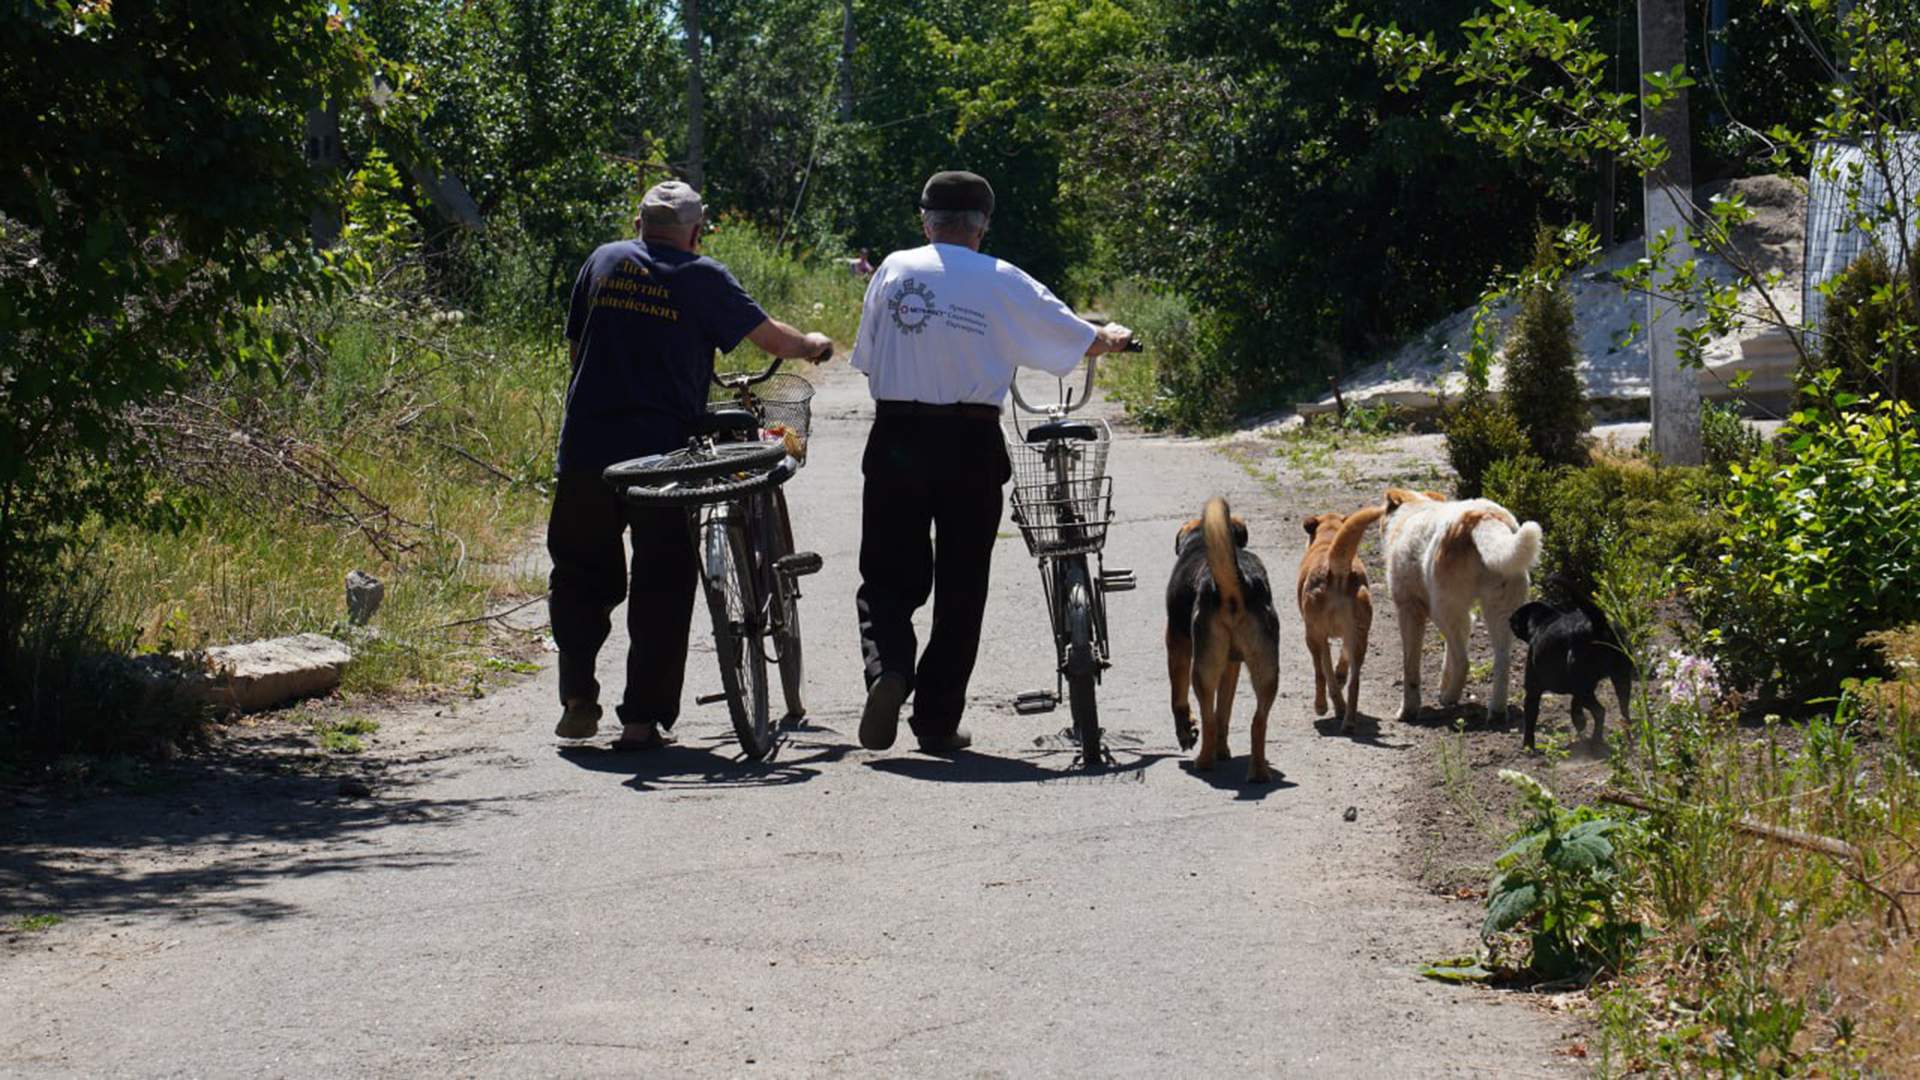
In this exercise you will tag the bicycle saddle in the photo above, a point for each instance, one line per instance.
(1062, 429)
(725, 421)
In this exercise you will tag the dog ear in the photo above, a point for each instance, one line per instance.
(1180, 538)
(1398, 497)
(1312, 524)
(1239, 530)
(1435, 496)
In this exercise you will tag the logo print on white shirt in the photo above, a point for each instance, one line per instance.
(911, 306)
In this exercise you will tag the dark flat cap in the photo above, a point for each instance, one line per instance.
(955, 190)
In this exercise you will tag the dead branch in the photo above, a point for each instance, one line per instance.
(1853, 861)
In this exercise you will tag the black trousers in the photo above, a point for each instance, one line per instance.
(590, 578)
(928, 479)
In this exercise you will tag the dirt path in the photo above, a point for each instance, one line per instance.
(500, 906)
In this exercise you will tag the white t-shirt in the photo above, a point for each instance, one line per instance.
(945, 324)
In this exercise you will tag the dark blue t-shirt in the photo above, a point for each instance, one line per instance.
(646, 321)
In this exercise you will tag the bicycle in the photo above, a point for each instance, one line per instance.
(1063, 503)
(728, 478)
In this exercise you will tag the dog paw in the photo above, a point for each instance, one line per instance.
(1408, 714)
(1319, 706)
(1203, 763)
(1184, 732)
(1259, 773)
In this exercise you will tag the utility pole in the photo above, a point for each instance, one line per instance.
(846, 61)
(1668, 191)
(696, 104)
(324, 156)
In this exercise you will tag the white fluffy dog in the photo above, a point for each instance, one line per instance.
(1442, 558)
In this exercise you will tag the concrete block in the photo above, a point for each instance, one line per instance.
(263, 674)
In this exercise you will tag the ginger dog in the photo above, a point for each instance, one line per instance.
(1335, 603)
(1443, 557)
(1219, 616)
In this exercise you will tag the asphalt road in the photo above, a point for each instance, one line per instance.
(502, 906)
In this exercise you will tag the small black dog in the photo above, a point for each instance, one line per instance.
(1569, 650)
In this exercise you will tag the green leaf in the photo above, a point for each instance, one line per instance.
(1464, 969)
(1516, 899)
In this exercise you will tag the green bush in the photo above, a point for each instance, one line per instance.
(1481, 430)
(1725, 438)
(1543, 379)
(1870, 331)
(1182, 381)
(1586, 515)
(1819, 551)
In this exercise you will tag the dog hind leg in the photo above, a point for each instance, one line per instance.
(1223, 706)
(1180, 675)
(1317, 649)
(1413, 630)
(1265, 675)
(1209, 664)
(1500, 633)
(1455, 626)
(1353, 650)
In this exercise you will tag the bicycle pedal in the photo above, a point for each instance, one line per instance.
(799, 564)
(1117, 580)
(710, 699)
(1035, 702)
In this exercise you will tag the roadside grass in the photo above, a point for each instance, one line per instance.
(344, 736)
(432, 443)
(33, 924)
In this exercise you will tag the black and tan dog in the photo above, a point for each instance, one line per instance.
(1219, 616)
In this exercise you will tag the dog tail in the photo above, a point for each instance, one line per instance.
(1346, 542)
(1504, 550)
(1216, 525)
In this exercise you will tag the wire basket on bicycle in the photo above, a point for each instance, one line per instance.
(1062, 497)
(1064, 520)
(785, 403)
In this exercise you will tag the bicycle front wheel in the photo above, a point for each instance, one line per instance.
(727, 572)
(1082, 665)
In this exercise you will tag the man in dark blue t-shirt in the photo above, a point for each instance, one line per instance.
(643, 324)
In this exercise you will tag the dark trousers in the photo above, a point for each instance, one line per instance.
(928, 477)
(590, 578)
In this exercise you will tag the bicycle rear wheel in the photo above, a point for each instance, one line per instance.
(696, 463)
(727, 572)
(1082, 665)
(786, 631)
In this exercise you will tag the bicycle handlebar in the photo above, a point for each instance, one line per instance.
(1068, 404)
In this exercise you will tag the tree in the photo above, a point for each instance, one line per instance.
(161, 199)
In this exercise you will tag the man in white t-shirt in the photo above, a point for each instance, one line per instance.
(943, 329)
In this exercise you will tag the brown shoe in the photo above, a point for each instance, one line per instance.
(959, 740)
(580, 720)
(880, 720)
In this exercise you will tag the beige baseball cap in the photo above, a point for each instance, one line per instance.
(673, 204)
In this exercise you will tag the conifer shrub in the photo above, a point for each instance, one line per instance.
(1543, 380)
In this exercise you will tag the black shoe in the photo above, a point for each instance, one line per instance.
(959, 740)
(880, 720)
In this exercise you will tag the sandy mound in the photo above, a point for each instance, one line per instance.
(1606, 319)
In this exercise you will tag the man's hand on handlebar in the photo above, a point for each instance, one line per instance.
(1109, 338)
(776, 338)
(822, 347)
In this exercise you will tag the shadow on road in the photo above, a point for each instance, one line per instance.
(710, 763)
(1470, 717)
(969, 767)
(213, 844)
(1231, 775)
(1365, 730)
